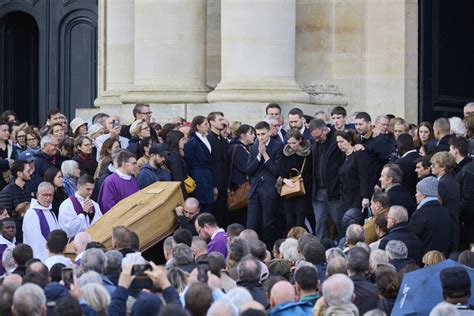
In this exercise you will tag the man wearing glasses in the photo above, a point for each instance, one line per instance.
(39, 221)
(141, 111)
(187, 214)
(45, 159)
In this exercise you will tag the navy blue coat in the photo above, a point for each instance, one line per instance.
(149, 175)
(379, 149)
(264, 173)
(239, 164)
(197, 157)
(401, 196)
(430, 224)
(402, 232)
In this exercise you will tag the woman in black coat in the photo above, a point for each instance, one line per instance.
(175, 141)
(238, 155)
(54, 176)
(296, 155)
(354, 175)
(84, 156)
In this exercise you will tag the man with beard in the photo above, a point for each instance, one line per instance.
(209, 231)
(296, 121)
(16, 193)
(153, 171)
(218, 164)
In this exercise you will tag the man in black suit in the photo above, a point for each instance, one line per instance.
(408, 153)
(442, 165)
(262, 168)
(274, 110)
(218, 164)
(378, 147)
(442, 133)
(391, 181)
(296, 121)
(423, 167)
(141, 111)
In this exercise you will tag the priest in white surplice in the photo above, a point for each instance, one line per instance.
(78, 212)
(39, 221)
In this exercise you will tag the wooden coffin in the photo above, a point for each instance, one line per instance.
(149, 213)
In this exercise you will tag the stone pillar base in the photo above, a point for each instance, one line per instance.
(172, 95)
(258, 92)
(108, 98)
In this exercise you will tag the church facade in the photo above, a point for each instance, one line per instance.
(189, 57)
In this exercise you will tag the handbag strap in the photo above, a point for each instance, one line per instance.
(302, 167)
(231, 166)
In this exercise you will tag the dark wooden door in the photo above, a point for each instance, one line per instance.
(49, 47)
(446, 57)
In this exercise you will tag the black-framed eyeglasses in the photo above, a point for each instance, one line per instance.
(147, 113)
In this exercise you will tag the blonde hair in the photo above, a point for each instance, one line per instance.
(432, 257)
(136, 127)
(444, 159)
(296, 232)
(97, 297)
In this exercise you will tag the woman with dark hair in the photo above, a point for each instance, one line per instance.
(425, 134)
(388, 284)
(33, 140)
(354, 174)
(168, 127)
(239, 150)
(296, 155)
(58, 131)
(66, 150)
(197, 154)
(143, 152)
(175, 142)
(105, 155)
(84, 157)
(54, 176)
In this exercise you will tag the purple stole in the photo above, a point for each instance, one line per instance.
(79, 209)
(44, 226)
(2, 249)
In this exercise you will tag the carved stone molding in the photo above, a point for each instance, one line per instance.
(325, 94)
(4, 3)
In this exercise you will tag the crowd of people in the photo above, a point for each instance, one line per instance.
(370, 201)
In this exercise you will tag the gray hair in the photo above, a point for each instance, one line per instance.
(394, 172)
(442, 124)
(113, 260)
(249, 269)
(457, 126)
(239, 296)
(396, 249)
(318, 124)
(198, 244)
(68, 167)
(289, 250)
(399, 214)
(97, 297)
(29, 300)
(182, 255)
(222, 307)
(334, 252)
(336, 265)
(377, 256)
(270, 118)
(381, 116)
(133, 258)
(93, 259)
(444, 309)
(168, 244)
(89, 277)
(45, 186)
(178, 279)
(47, 139)
(354, 234)
(338, 289)
(7, 259)
(238, 248)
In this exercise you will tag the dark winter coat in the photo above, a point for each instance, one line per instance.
(198, 157)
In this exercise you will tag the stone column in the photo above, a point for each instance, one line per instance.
(116, 40)
(258, 52)
(170, 52)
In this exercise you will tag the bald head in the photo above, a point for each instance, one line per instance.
(282, 292)
(80, 242)
(13, 280)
